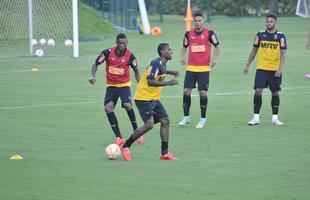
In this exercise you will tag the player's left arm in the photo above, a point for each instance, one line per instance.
(282, 60)
(217, 49)
(134, 65)
(283, 48)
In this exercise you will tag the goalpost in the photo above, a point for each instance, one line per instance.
(29, 25)
(303, 8)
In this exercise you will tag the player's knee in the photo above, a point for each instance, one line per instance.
(149, 124)
(187, 91)
(165, 122)
(258, 92)
(108, 108)
(127, 106)
(202, 93)
(275, 93)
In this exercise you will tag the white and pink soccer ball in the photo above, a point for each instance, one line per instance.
(112, 151)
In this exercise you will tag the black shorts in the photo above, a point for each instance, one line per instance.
(202, 78)
(264, 79)
(113, 93)
(148, 109)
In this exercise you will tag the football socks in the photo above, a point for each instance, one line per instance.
(114, 124)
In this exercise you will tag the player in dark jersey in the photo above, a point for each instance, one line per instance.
(198, 42)
(147, 98)
(270, 44)
(118, 59)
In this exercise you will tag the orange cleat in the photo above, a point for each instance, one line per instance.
(119, 141)
(167, 156)
(140, 140)
(126, 153)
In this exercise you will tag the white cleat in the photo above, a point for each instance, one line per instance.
(277, 122)
(184, 121)
(201, 123)
(253, 122)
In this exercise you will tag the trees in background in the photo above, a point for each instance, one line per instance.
(227, 7)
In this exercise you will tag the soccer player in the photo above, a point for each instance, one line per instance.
(118, 59)
(270, 44)
(308, 46)
(198, 42)
(147, 100)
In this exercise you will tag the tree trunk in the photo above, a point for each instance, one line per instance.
(273, 6)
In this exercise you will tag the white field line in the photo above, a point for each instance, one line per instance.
(240, 93)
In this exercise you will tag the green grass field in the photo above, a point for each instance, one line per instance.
(56, 121)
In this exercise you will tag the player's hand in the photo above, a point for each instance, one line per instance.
(175, 73)
(245, 70)
(213, 63)
(183, 61)
(278, 73)
(173, 82)
(92, 80)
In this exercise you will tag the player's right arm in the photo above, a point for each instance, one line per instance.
(184, 49)
(252, 55)
(100, 59)
(92, 77)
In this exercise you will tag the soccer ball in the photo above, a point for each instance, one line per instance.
(112, 151)
(68, 43)
(34, 42)
(39, 53)
(42, 42)
(50, 42)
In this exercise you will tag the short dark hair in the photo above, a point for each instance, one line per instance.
(198, 14)
(272, 16)
(161, 47)
(120, 36)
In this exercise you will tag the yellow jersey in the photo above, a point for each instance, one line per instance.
(269, 49)
(155, 70)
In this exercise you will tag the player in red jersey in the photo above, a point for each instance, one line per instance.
(198, 42)
(118, 59)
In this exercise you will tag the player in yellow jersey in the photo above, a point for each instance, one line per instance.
(147, 98)
(270, 45)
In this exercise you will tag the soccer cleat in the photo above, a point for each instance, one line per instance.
(119, 141)
(126, 153)
(253, 121)
(277, 122)
(140, 140)
(167, 156)
(307, 75)
(201, 123)
(184, 121)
